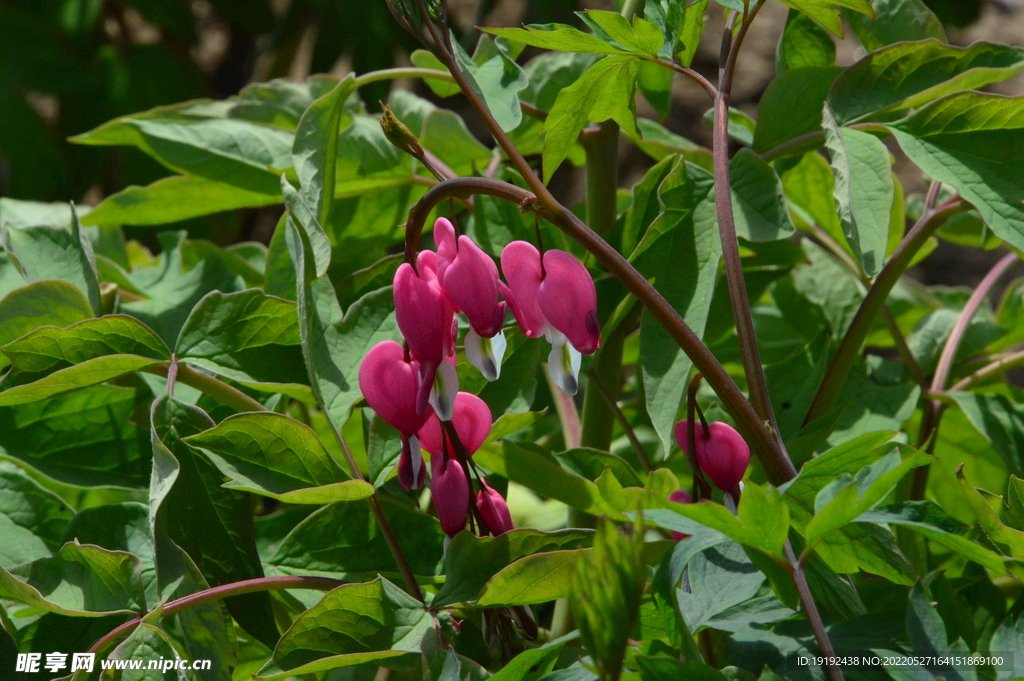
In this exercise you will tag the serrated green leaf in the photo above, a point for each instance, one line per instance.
(247, 336)
(640, 36)
(719, 578)
(998, 420)
(277, 456)
(863, 191)
(762, 524)
(80, 580)
(470, 562)
(909, 75)
(804, 43)
(967, 140)
(895, 21)
(604, 92)
(353, 624)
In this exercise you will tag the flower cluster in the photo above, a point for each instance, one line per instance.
(415, 388)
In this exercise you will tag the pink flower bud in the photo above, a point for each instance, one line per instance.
(449, 487)
(472, 419)
(520, 263)
(494, 510)
(680, 496)
(390, 384)
(471, 282)
(722, 454)
(568, 300)
(424, 316)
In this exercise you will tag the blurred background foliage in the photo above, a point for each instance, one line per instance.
(66, 66)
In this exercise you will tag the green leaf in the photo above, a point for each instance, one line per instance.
(87, 438)
(333, 346)
(315, 150)
(659, 143)
(667, 669)
(353, 624)
(440, 87)
(928, 519)
(497, 82)
(640, 36)
(758, 199)
(18, 214)
(234, 151)
(855, 545)
(559, 37)
(847, 497)
(186, 486)
(55, 253)
(909, 75)
(470, 561)
(1009, 637)
(277, 456)
(762, 523)
(534, 579)
(343, 541)
(791, 106)
(863, 191)
(804, 43)
(532, 664)
(80, 580)
(680, 251)
(998, 420)
(172, 289)
(719, 578)
(810, 187)
(43, 303)
(298, 209)
(605, 91)
(896, 21)
(147, 643)
(526, 464)
(32, 519)
(247, 336)
(967, 140)
(50, 361)
(173, 199)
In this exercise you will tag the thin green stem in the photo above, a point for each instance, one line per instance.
(849, 348)
(777, 465)
(623, 421)
(247, 586)
(210, 386)
(990, 371)
(749, 350)
(403, 72)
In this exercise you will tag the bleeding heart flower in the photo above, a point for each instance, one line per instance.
(494, 510)
(520, 263)
(425, 318)
(472, 420)
(568, 299)
(680, 496)
(449, 487)
(722, 453)
(390, 383)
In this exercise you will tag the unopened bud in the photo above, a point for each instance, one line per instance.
(399, 134)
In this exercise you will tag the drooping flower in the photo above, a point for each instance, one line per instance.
(722, 453)
(389, 382)
(494, 510)
(568, 299)
(425, 317)
(472, 420)
(680, 496)
(553, 296)
(449, 488)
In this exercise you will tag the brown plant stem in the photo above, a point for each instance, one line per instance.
(796, 571)
(989, 371)
(849, 348)
(750, 352)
